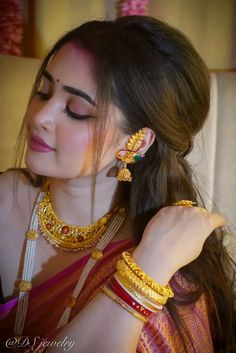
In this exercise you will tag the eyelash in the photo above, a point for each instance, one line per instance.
(74, 115)
(67, 111)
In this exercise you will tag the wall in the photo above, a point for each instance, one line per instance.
(46, 21)
(210, 25)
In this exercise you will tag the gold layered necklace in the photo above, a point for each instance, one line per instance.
(117, 217)
(67, 236)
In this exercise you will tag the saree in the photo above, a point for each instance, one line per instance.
(48, 300)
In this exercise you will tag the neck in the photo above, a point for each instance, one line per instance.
(72, 199)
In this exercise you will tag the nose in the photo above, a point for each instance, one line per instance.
(43, 113)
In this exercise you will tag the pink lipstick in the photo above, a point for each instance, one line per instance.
(37, 144)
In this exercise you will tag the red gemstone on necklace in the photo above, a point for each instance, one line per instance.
(65, 229)
(48, 226)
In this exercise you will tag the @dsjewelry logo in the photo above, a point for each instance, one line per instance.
(37, 343)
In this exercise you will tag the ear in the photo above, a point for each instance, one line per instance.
(147, 141)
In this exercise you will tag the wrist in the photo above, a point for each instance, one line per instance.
(157, 267)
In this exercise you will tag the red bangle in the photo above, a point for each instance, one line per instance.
(116, 288)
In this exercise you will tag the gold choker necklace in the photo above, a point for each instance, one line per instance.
(67, 236)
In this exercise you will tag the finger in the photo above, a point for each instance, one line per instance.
(218, 220)
(204, 210)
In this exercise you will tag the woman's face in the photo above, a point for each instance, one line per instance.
(60, 118)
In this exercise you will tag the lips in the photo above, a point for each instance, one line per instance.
(37, 144)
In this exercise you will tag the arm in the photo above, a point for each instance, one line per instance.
(105, 325)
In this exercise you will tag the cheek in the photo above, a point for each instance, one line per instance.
(74, 139)
(111, 143)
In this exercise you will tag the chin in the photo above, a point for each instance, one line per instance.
(41, 164)
(35, 167)
(47, 171)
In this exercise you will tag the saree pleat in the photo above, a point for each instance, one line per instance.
(47, 302)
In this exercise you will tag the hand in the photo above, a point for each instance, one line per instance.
(173, 238)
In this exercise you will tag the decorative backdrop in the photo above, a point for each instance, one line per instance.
(210, 25)
(131, 7)
(11, 27)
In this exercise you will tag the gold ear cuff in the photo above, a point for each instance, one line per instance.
(131, 155)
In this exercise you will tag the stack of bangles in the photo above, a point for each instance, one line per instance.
(134, 290)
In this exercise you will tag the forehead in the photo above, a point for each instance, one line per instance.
(73, 66)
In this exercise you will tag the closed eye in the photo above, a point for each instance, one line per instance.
(76, 116)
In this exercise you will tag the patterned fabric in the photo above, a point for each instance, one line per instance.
(159, 334)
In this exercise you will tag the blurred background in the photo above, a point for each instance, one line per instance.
(28, 28)
(34, 25)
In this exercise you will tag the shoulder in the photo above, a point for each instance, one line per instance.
(15, 189)
(14, 178)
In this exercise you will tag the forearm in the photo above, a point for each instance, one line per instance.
(106, 326)
(102, 326)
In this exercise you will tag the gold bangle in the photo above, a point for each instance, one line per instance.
(165, 291)
(144, 301)
(118, 301)
(136, 282)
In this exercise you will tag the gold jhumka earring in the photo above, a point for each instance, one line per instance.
(131, 156)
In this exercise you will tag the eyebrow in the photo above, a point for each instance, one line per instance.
(72, 90)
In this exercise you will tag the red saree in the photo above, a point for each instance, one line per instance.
(48, 300)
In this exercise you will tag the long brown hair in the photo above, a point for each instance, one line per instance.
(152, 73)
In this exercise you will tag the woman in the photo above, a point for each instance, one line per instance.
(113, 114)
